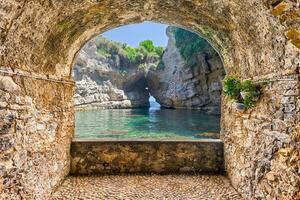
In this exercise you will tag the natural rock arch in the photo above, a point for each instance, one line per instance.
(256, 39)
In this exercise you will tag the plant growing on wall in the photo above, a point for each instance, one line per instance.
(245, 93)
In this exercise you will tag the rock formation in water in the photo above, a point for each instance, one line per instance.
(113, 75)
(193, 81)
(107, 77)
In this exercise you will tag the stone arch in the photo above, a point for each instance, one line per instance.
(256, 39)
(77, 46)
(50, 47)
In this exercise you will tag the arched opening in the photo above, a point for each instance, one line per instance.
(115, 79)
(38, 43)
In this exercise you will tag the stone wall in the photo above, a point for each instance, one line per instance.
(254, 38)
(111, 157)
(36, 127)
(262, 152)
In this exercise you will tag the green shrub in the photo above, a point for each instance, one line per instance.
(243, 92)
(131, 53)
(251, 93)
(249, 87)
(231, 87)
(147, 45)
(146, 48)
(247, 101)
(103, 52)
(159, 50)
(106, 48)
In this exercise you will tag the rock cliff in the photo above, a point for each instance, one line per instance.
(191, 82)
(106, 78)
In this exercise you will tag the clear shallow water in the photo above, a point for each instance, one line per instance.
(146, 123)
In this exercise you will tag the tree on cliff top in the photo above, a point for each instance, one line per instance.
(146, 48)
(149, 47)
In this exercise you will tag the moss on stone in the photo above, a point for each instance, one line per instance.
(64, 25)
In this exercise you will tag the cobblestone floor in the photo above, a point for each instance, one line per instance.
(147, 187)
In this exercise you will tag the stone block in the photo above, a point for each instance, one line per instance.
(7, 84)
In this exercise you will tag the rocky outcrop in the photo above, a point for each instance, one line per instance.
(179, 85)
(106, 78)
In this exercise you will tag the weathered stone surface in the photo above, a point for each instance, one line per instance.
(249, 38)
(145, 187)
(44, 36)
(104, 157)
(7, 84)
(35, 133)
(262, 144)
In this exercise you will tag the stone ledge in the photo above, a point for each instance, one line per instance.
(118, 140)
(146, 156)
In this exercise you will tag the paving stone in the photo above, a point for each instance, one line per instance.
(146, 187)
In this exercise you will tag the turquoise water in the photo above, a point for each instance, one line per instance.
(146, 123)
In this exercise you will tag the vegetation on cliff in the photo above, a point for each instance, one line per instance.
(189, 44)
(146, 48)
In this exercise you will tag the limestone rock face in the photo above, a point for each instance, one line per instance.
(110, 80)
(180, 86)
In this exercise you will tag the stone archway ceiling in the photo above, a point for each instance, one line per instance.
(256, 38)
(44, 36)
